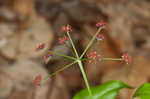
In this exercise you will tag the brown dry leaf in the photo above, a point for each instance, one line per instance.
(23, 44)
(6, 85)
(42, 92)
(59, 89)
(23, 8)
(23, 73)
(21, 95)
(9, 49)
(125, 22)
(20, 77)
(37, 31)
(7, 29)
(81, 12)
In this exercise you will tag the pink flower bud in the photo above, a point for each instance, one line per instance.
(37, 80)
(63, 40)
(100, 24)
(93, 56)
(40, 46)
(67, 28)
(126, 58)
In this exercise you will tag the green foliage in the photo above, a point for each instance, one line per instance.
(143, 92)
(108, 90)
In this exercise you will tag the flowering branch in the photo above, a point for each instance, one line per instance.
(90, 56)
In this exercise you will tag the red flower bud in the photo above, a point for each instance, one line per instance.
(67, 28)
(40, 46)
(63, 40)
(37, 80)
(126, 58)
(100, 24)
(93, 56)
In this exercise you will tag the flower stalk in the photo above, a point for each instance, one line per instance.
(85, 78)
(91, 57)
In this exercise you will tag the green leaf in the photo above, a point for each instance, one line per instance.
(108, 90)
(143, 92)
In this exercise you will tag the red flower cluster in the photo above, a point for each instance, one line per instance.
(67, 28)
(126, 58)
(63, 40)
(40, 46)
(37, 80)
(100, 24)
(46, 57)
(93, 56)
(100, 37)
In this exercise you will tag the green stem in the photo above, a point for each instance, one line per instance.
(54, 59)
(91, 42)
(59, 54)
(65, 67)
(85, 78)
(111, 59)
(72, 44)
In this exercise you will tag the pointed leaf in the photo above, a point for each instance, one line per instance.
(108, 90)
(143, 92)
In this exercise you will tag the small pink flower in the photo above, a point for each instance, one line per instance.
(46, 57)
(126, 58)
(40, 46)
(63, 40)
(93, 56)
(37, 80)
(100, 24)
(67, 28)
(100, 37)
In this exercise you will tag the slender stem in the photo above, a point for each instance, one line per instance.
(81, 67)
(53, 59)
(59, 54)
(65, 67)
(104, 59)
(72, 44)
(111, 59)
(70, 49)
(85, 78)
(91, 42)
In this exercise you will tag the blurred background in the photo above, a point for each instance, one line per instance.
(26, 23)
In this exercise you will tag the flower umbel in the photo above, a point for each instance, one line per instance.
(67, 28)
(37, 80)
(126, 58)
(93, 56)
(40, 46)
(63, 40)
